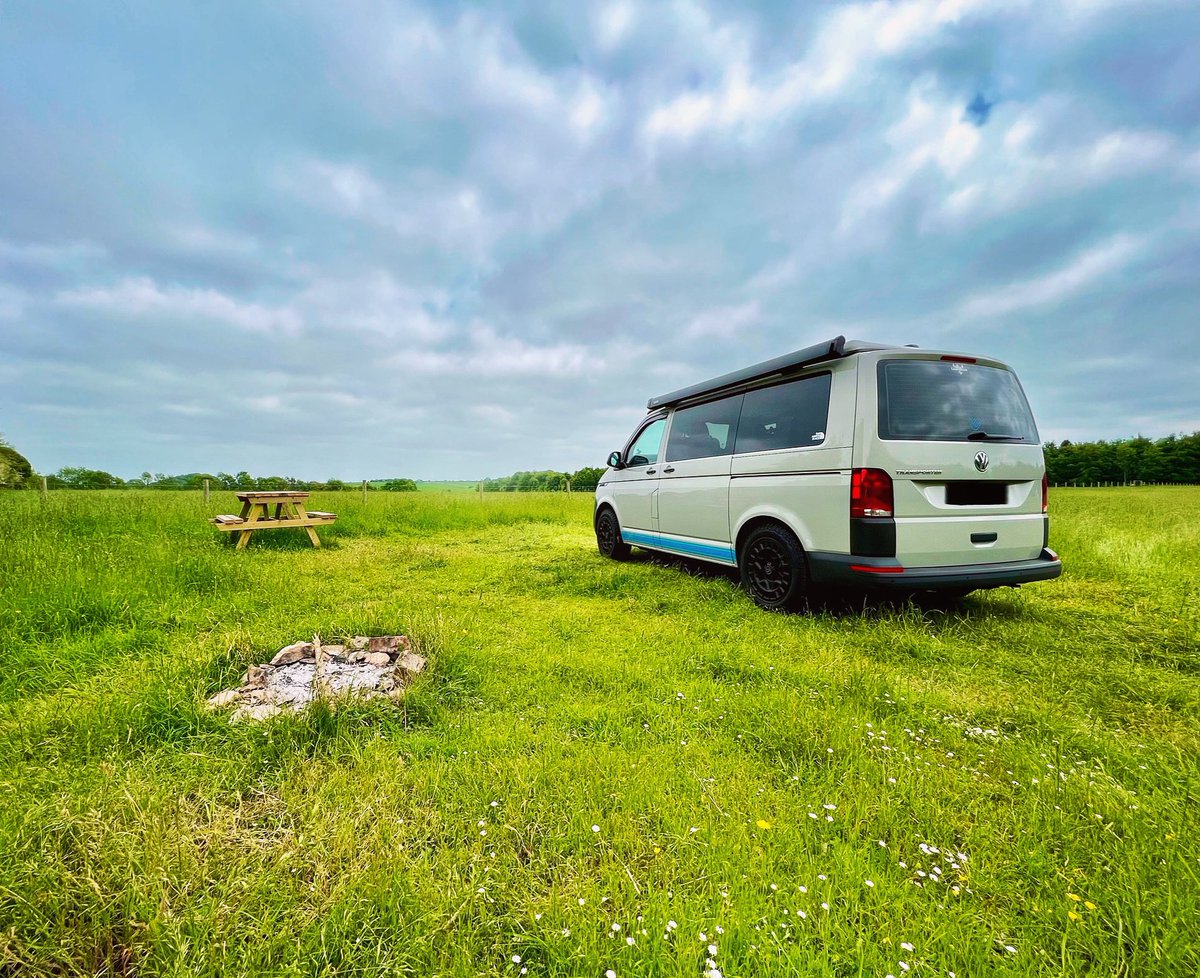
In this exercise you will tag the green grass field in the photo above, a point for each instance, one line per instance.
(607, 767)
(447, 486)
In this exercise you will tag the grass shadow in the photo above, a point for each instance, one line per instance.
(276, 540)
(840, 603)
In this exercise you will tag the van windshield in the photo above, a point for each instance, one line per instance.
(940, 400)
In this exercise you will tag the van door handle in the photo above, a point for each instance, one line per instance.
(669, 468)
(983, 537)
(651, 471)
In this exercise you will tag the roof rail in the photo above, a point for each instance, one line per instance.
(829, 350)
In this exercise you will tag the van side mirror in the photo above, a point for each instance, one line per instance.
(614, 461)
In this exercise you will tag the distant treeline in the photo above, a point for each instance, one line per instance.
(1175, 458)
(549, 481)
(77, 478)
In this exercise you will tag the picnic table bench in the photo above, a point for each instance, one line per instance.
(255, 515)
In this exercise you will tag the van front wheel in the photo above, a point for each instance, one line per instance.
(608, 536)
(774, 572)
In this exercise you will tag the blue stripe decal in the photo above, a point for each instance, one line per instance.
(690, 548)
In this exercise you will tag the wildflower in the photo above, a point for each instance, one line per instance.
(629, 941)
(1010, 949)
(480, 824)
(610, 974)
(1074, 896)
(720, 929)
(615, 928)
(516, 959)
(566, 932)
(869, 882)
(537, 916)
(822, 877)
(762, 823)
(829, 808)
(712, 949)
(908, 947)
(1072, 915)
(1089, 904)
(824, 906)
(774, 887)
(903, 965)
(802, 915)
(703, 936)
(582, 901)
(693, 830)
(595, 828)
(671, 925)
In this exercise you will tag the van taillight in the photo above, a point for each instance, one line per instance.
(1045, 493)
(870, 493)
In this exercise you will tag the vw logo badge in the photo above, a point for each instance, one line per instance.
(981, 461)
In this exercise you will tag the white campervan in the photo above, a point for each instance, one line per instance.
(846, 463)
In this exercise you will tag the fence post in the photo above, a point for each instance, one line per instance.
(44, 489)
(568, 487)
(481, 490)
(364, 490)
(206, 490)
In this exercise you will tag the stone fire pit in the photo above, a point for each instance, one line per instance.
(366, 668)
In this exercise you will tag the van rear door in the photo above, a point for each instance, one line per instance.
(958, 439)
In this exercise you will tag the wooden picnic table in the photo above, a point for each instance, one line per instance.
(289, 511)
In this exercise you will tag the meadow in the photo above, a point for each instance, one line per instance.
(608, 769)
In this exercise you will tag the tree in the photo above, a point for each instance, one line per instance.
(79, 478)
(400, 485)
(586, 478)
(15, 469)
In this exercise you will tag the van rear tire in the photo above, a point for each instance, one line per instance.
(773, 568)
(608, 536)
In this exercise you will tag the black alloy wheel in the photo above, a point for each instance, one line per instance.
(774, 572)
(608, 536)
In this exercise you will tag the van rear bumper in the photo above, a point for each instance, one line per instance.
(888, 573)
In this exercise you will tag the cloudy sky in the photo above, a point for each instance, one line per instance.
(370, 239)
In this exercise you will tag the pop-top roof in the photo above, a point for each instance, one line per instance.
(829, 350)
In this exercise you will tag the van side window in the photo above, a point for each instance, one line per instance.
(791, 415)
(644, 450)
(704, 430)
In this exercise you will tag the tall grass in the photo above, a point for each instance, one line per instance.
(1008, 786)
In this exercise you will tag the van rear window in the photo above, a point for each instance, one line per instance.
(939, 400)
